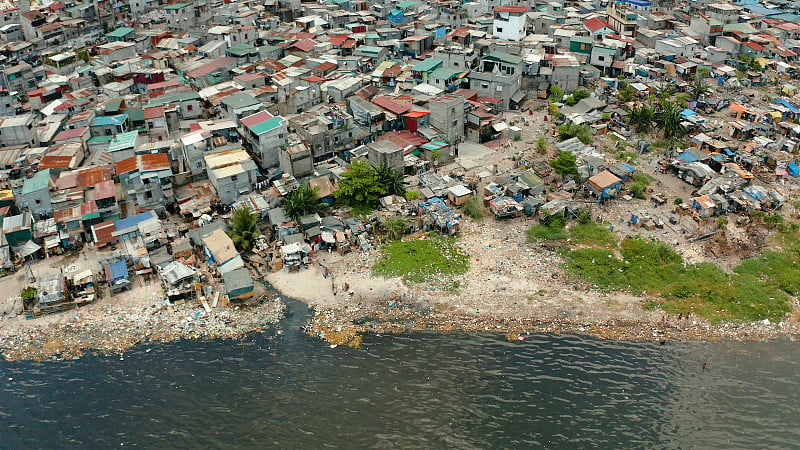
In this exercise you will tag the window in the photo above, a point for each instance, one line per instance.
(199, 164)
(601, 58)
(485, 85)
(38, 202)
(234, 177)
(148, 194)
(499, 30)
(234, 38)
(189, 107)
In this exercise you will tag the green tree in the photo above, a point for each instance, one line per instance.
(552, 109)
(304, 200)
(669, 121)
(577, 96)
(626, 93)
(541, 145)
(392, 180)
(244, 224)
(395, 228)
(565, 164)
(571, 130)
(360, 186)
(556, 93)
(702, 73)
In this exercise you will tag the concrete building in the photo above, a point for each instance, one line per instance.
(510, 22)
(18, 130)
(266, 135)
(296, 159)
(146, 181)
(385, 152)
(447, 115)
(35, 194)
(232, 173)
(498, 76)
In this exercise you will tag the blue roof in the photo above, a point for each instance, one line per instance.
(793, 169)
(685, 156)
(118, 270)
(132, 221)
(787, 104)
(40, 180)
(100, 121)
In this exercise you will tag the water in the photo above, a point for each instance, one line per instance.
(409, 391)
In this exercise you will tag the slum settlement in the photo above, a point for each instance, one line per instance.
(197, 146)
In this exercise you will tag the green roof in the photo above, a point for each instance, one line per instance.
(123, 141)
(582, 39)
(267, 125)
(241, 50)
(369, 49)
(240, 100)
(40, 180)
(120, 32)
(177, 6)
(408, 4)
(113, 106)
(427, 65)
(100, 139)
(135, 114)
(504, 57)
(445, 73)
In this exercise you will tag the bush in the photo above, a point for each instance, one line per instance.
(592, 234)
(474, 208)
(413, 195)
(550, 230)
(678, 201)
(639, 187)
(570, 130)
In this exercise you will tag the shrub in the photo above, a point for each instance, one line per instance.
(552, 229)
(474, 208)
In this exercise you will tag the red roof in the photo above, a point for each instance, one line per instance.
(595, 24)
(70, 134)
(153, 161)
(163, 85)
(216, 64)
(93, 175)
(55, 162)
(304, 45)
(511, 9)
(314, 79)
(416, 114)
(350, 43)
(256, 118)
(127, 165)
(404, 138)
(106, 189)
(153, 112)
(338, 40)
(103, 233)
(305, 35)
(754, 46)
(392, 106)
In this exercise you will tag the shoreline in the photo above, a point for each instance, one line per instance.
(117, 330)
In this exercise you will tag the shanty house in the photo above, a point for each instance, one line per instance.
(604, 185)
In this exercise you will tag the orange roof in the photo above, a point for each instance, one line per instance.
(55, 162)
(153, 112)
(144, 163)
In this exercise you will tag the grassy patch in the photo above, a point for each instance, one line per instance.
(551, 230)
(474, 208)
(654, 268)
(422, 260)
(625, 156)
(592, 234)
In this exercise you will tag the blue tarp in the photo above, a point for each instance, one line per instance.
(687, 157)
(628, 167)
(786, 103)
(793, 169)
(118, 270)
(686, 113)
(728, 151)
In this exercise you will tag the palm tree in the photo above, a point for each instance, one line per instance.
(700, 89)
(244, 224)
(392, 180)
(626, 93)
(669, 121)
(642, 118)
(304, 200)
